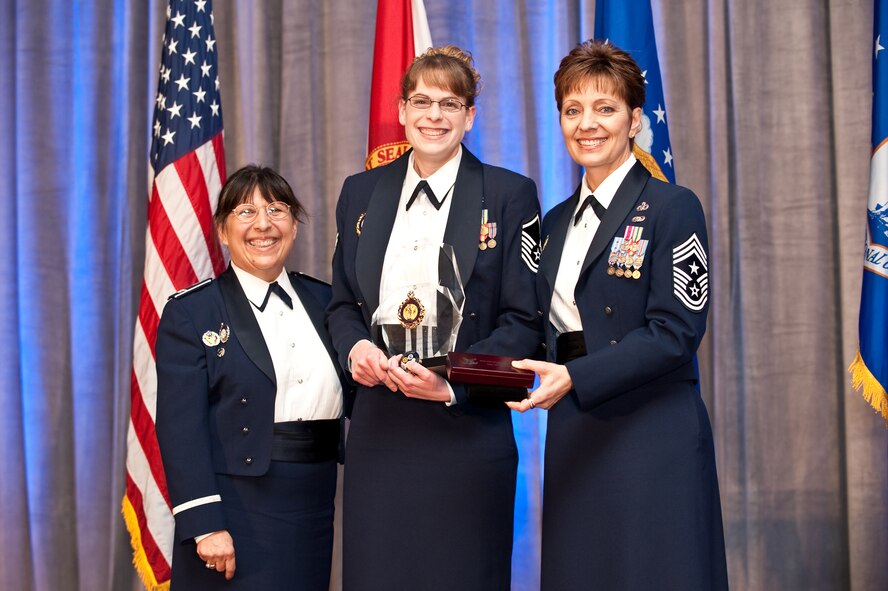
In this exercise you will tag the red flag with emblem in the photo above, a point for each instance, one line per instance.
(402, 33)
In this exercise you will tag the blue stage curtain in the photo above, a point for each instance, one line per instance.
(769, 106)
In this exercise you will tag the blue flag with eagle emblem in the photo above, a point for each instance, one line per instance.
(870, 368)
(629, 24)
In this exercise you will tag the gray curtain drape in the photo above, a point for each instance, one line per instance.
(769, 113)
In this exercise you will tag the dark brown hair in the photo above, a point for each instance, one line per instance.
(241, 185)
(447, 67)
(597, 62)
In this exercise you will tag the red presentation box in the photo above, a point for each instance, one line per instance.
(487, 370)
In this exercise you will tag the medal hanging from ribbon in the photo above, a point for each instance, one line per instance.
(487, 235)
(614, 256)
(638, 259)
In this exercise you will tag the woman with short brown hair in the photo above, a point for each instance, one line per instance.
(630, 496)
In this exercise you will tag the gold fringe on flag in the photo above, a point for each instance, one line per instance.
(650, 163)
(873, 392)
(140, 561)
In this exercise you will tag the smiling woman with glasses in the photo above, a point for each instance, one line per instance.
(249, 405)
(429, 485)
(448, 105)
(276, 210)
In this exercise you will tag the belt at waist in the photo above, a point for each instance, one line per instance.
(569, 346)
(305, 441)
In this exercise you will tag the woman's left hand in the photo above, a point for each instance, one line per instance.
(417, 381)
(555, 382)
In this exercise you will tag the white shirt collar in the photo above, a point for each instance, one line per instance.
(608, 187)
(441, 181)
(256, 288)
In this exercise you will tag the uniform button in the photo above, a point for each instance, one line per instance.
(608, 310)
(415, 248)
(613, 342)
(578, 262)
(574, 302)
(280, 313)
(245, 430)
(540, 313)
(472, 315)
(292, 345)
(244, 400)
(360, 304)
(248, 461)
(299, 380)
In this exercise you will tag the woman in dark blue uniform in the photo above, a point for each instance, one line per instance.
(630, 496)
(249, 400)
(429, 485)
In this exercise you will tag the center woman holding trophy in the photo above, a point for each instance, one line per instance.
(437, 253)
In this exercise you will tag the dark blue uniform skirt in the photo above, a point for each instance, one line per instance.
(630, 498)
(282, 526)
(428, 496)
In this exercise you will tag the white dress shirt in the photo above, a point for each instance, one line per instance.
(411, 257)
(564, 314)
(307, 385)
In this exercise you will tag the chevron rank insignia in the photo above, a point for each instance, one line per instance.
(690, 274)
(530, 244)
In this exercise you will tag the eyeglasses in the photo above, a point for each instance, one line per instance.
(247, 212)
(448, 105)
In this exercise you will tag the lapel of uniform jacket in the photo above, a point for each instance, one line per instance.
(554, 242)
(464, 221)
(379, 220)
(243, 323)
(315, 311)
(620, 206)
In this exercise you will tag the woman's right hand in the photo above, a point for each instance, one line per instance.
(369, 365)
(217, 549)
(555, 382)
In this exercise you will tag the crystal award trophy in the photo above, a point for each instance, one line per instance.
(422, 310)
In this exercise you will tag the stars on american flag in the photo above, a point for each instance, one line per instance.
(187, 107)
(660, 113)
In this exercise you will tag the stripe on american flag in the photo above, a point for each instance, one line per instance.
(187, 159)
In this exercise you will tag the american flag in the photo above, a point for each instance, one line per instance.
(187, 165)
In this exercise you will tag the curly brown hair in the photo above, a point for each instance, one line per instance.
(447, 67)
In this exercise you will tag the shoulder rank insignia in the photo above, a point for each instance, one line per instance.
(190, 289)
(690, 274)
(530, 244)
(312, 279)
